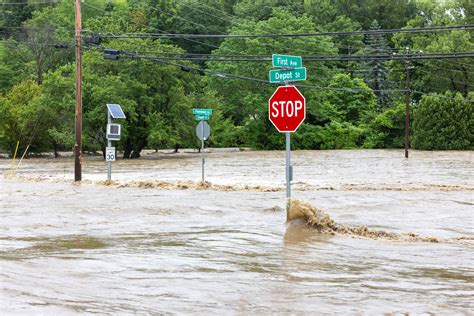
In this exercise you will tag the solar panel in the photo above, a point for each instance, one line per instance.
(115, 111)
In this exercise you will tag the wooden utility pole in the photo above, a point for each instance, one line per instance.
(78, 129)
(407, 109)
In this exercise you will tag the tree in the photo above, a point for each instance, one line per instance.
(195, 18)
(42, 33)
(150, 93)
(376, 75)
(262, 10)
(352, 100)
(245, 100)
(12, 16)
(386, 130)
(440, 75)
(391, 13)
(444, 121)
(21, 117)
(15, 65)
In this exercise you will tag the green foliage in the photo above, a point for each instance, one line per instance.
(440, 75)
(390, 13)
(352, 99)
(387, 129)
(21, 117)
(245, 102)
(341, 136)
(259, 10)
(376, 74)
(158, 95)
(443, 123)
(15, 66)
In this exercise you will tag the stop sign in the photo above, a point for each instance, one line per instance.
(287, 108)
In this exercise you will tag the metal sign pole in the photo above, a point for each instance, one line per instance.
(289, 175)
(109, 144)
(202, 151)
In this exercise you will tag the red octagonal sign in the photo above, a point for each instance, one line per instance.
(287, 108)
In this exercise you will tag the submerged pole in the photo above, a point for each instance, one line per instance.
(288, 165)
(78, 115)
(202, 151)
(109, 144)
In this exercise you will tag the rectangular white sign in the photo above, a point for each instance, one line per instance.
(110, 154)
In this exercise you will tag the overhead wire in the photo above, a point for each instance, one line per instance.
(445, 78)
(343, 33)
(30, 3)
(310, 58)
(163, 32)
(233, 76)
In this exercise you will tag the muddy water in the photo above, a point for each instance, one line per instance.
(131, 249)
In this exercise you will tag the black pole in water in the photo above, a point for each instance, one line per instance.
(407, 110)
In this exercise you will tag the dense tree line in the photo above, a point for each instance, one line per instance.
(350, 104)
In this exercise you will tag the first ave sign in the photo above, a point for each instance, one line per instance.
(287, 108)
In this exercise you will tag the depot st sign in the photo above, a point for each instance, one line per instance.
(287, 108)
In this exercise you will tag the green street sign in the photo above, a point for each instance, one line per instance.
(207, 112)
(281, 75)
(286, 61)
(201, 117)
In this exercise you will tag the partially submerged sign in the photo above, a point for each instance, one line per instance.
(110, 153)
(203, 130)
(114, 111)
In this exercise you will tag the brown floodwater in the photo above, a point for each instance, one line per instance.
(388, 235)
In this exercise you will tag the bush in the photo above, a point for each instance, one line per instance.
(444, 122)
(341, 136)
(387, 129)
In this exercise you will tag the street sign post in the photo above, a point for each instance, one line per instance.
(287, 106)
(112, 133)
(286, 111)
(287, 61)
(282, 75)
(203, 130)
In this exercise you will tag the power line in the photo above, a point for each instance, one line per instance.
(177, 16)
(227, 75)
(445, 78)
(309, 58)
(30, 3)
(344, 33)
(57, 45)
(204, 12)
(263, 44)
(442, 96)
(141, 24)
(232, 76)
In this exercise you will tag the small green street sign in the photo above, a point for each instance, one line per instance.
(207, 112)
(286, 61)
(281, 75)
(202, 117)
